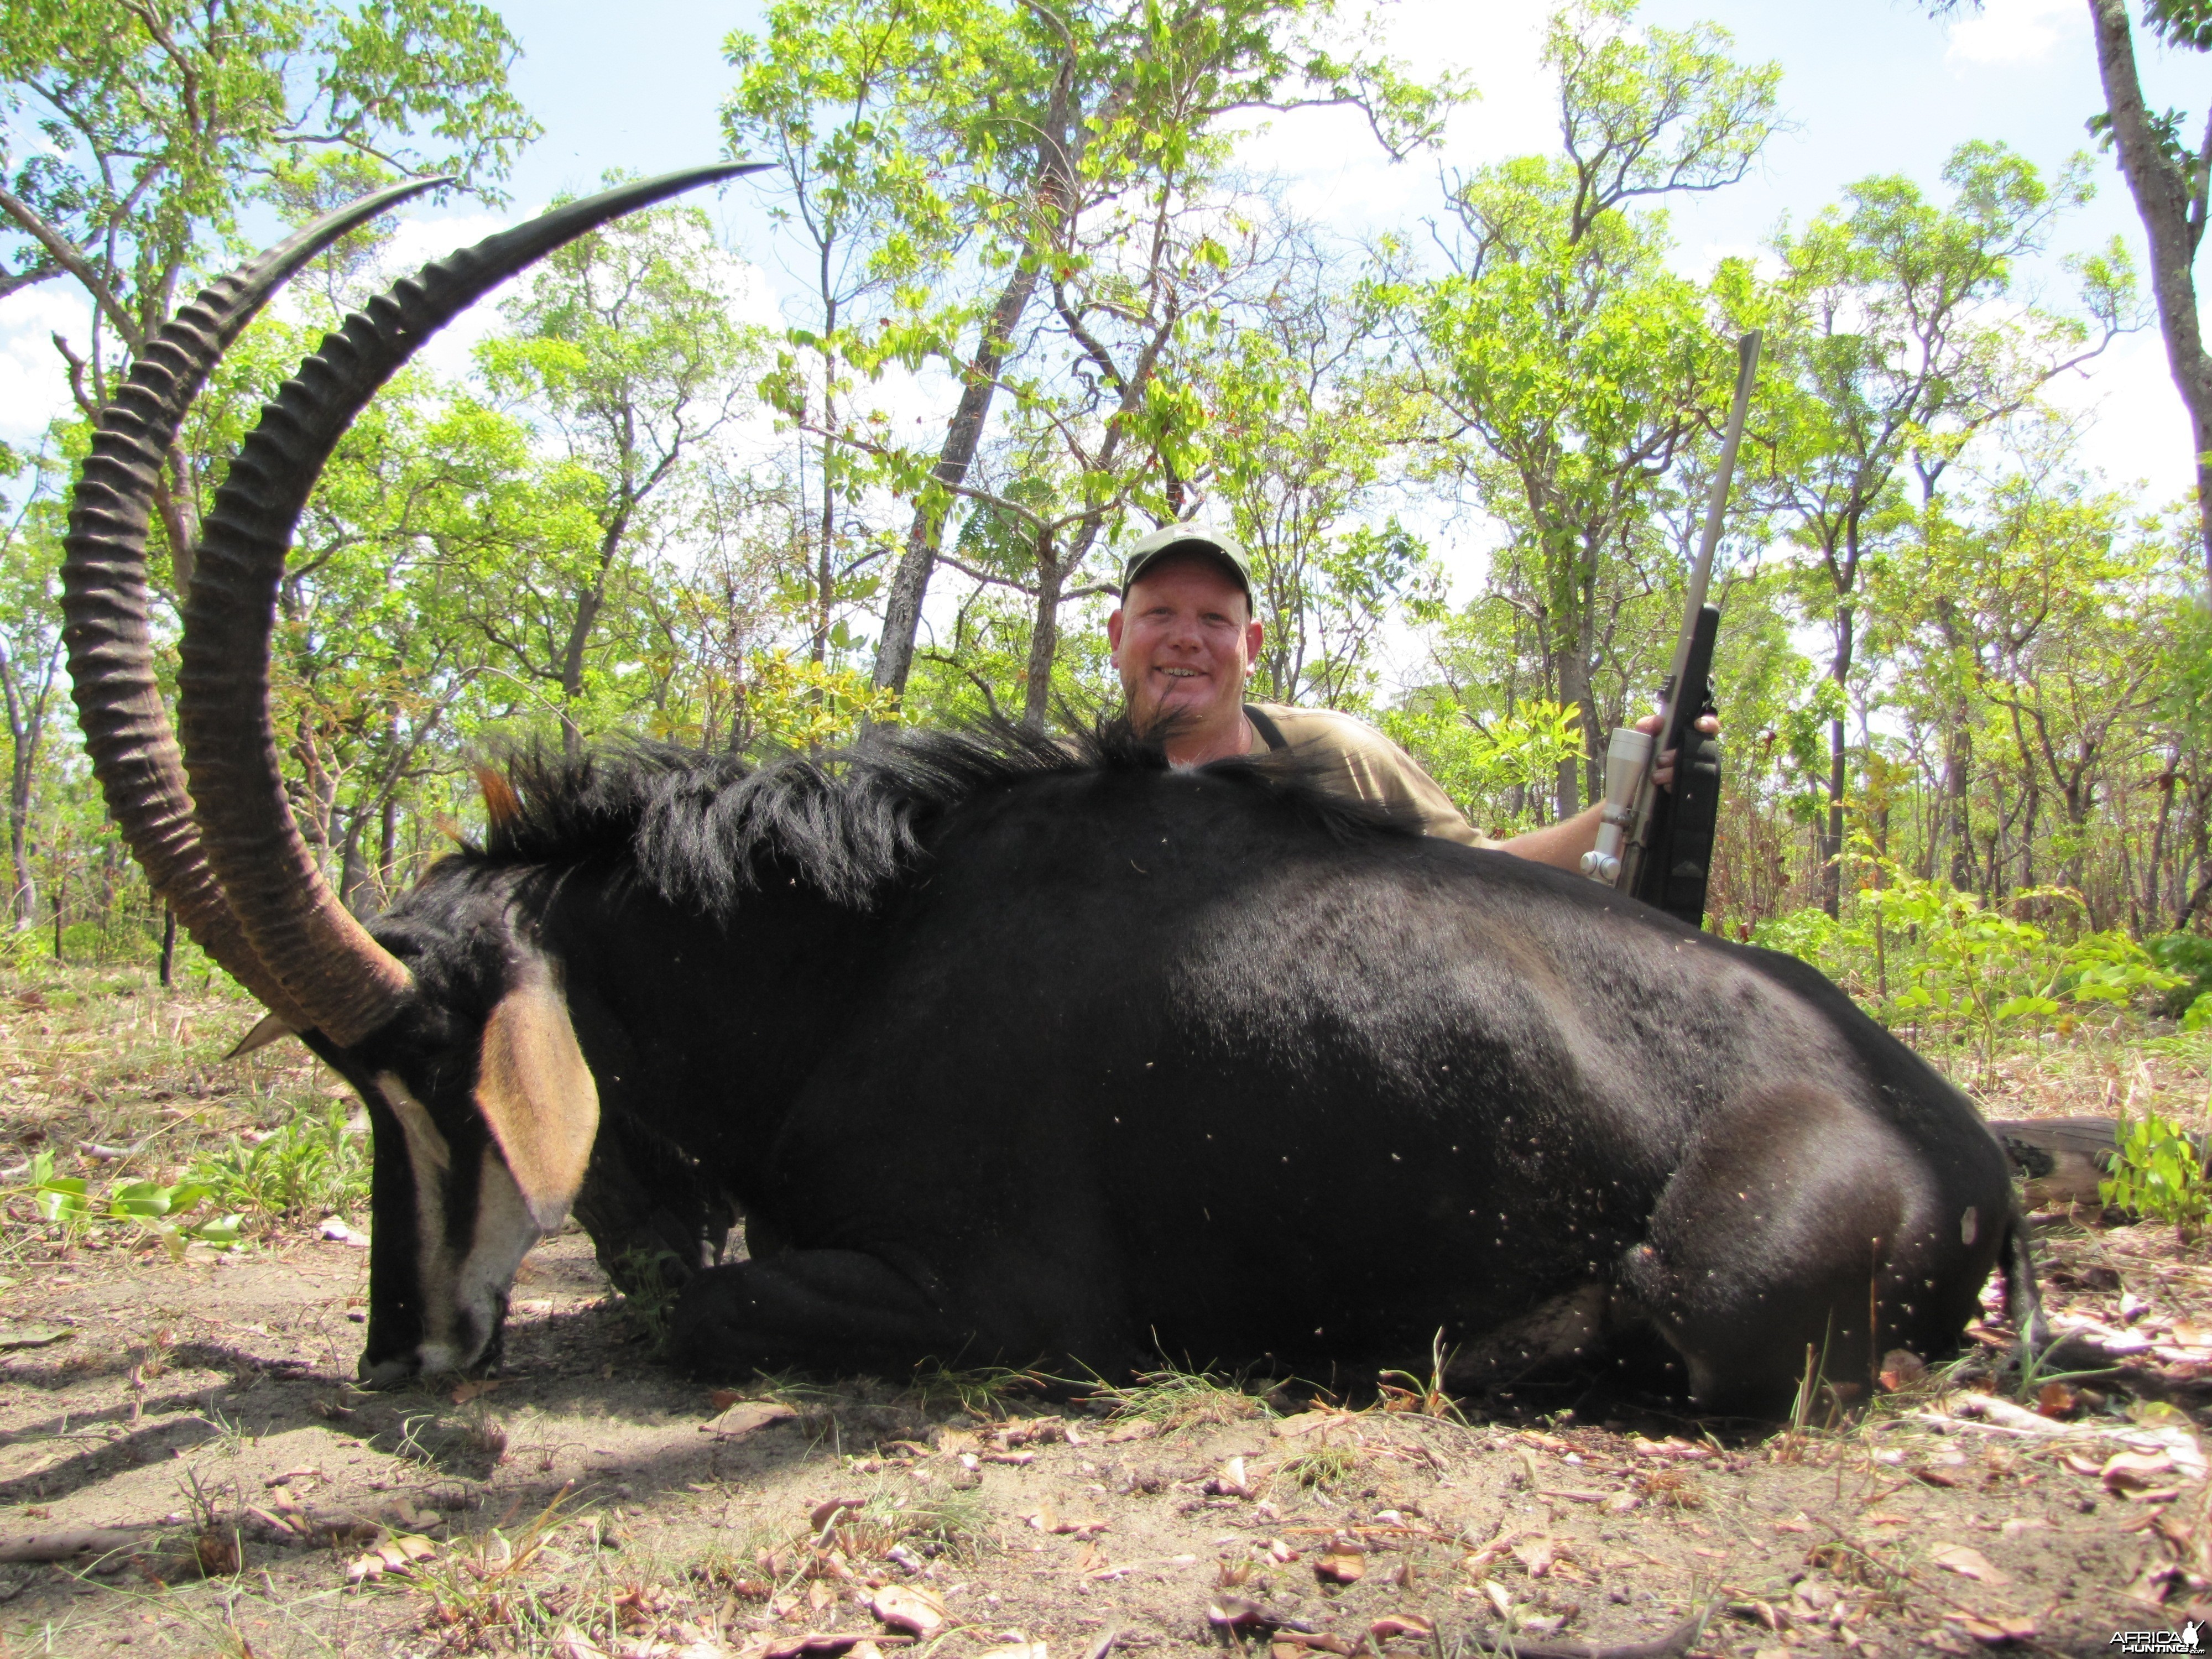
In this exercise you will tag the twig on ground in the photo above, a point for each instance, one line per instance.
(66, 1545)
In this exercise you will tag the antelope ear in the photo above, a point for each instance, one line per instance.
(536, 1093)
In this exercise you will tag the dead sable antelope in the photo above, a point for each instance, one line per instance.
(1008, 1050)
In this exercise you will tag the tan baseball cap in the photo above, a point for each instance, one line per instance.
(1192, 537)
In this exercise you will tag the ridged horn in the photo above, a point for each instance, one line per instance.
(346, 983)
(105, 625)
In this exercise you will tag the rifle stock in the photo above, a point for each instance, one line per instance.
(1670, 862)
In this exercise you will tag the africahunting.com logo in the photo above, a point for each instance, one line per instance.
(2191, 1637)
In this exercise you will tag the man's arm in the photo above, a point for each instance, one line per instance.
(1564, 842)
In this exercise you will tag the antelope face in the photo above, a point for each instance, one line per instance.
(484, 1112)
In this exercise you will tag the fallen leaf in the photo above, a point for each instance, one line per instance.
(1016, 1650)
(2134, 1471)
(1535, 1555)
(1935, 1477)
(1968, 1563)
(904, 1606)
(822, 1514)
(2081, 1465)
(745, 1416)
(2057, 1401)
(722, 1399)
(1901, 1368)
(1343, 1563)
(1231, 1481)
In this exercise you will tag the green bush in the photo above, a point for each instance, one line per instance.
(2189, 954)
(2157, 1172)
(316, 1162)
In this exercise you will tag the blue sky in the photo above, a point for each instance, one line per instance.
(1872, 88)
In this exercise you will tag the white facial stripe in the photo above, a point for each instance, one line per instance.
(502, 1236)
(505, 1231)
(425, 1143)
(430, 1159)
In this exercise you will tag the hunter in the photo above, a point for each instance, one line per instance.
(1184, 640)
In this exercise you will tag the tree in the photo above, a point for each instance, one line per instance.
(1075, 88)
(940, 159)
(1572, 369)
(1896, 340)
(1302, 427)
(132, 137)
(623, 348)
(30, 669)
(2169, 181)
(2037, 614)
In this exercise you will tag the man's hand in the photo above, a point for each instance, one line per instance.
(1663, 773)
(1564, 843)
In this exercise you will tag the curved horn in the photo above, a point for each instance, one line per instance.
(347, 983)
(105, 626)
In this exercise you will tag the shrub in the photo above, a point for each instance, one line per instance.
(2157, 1172)
(2188, 956)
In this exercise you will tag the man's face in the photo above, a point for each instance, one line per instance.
(1183, 641)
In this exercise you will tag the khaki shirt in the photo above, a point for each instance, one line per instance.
(1365, 764)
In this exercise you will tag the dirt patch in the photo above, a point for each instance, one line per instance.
(211, 1398)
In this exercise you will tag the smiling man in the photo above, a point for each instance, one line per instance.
(1184, 640)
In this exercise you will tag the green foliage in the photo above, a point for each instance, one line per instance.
(157, 125)
(316, 1162)
(2157, 1172)
(2188, 956)
(1940, 957)
(68, 1201)
(1488, 765)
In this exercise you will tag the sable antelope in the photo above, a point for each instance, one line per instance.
(1008, 1049)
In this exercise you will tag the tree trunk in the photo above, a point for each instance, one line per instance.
(1574, 693)
(174, 505)
(353, 875)
(963, 433)
(24, 907)
(1044, 635)
(910, 581)
(1958, 803)
(2162, 196)
(1831, 839)
(2151, 864)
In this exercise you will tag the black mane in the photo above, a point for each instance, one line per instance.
(852, 822)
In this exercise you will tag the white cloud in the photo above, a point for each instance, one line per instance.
(2008, 32)
(33, 383)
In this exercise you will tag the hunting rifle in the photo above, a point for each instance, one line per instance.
(1654, 843)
